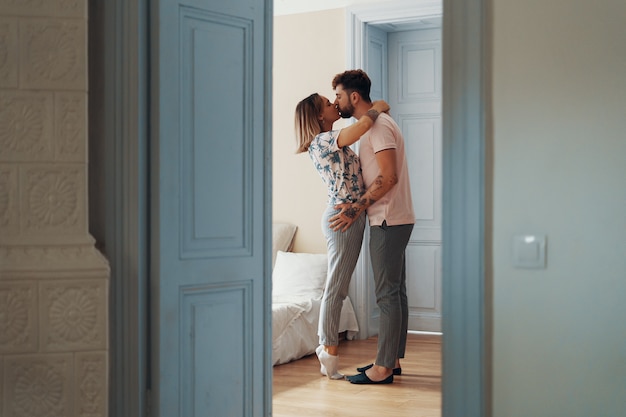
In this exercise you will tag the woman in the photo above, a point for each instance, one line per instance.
(340, 169)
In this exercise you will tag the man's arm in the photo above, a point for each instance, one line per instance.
(386, 179)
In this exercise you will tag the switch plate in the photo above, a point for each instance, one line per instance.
(529, 251)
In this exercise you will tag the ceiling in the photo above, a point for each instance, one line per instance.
(282, 7)
(427, 23)
(285, 7)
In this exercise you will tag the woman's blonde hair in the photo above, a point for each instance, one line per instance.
(307, 122)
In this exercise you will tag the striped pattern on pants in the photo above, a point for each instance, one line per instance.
(387, 248)
(343, 254)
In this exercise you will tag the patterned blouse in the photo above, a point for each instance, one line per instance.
(340, 168)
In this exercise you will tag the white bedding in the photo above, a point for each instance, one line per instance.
(298, 284)
(295, 324)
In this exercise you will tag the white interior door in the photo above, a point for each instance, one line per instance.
(414, 68)
(405, 68)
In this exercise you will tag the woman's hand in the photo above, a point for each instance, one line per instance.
(380, 106)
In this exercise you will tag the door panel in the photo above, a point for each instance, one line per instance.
(376, 62)
(415, 100)
(210, 214)
(424, 293)
(423, 148)
(217, 213)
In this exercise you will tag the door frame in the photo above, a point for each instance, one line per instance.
(466, 322)
(123, 110)
(467, 162)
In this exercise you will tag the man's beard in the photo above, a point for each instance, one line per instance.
(346, 112)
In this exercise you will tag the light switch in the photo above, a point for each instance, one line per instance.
(529, 251)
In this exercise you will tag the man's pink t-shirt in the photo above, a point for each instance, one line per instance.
(396, 207)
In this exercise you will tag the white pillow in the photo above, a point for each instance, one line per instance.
(282, 238)
(299, 274)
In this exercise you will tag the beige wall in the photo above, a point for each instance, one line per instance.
(559, 94)
(309, 49)
(559, 90)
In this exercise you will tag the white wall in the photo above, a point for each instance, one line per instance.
(309, 49)
(559, 91)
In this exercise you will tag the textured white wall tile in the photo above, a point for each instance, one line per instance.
(44, 261)
(26, 126)
(53, 282)
(73, 315)
(38, 385)
(66, 8)
(2, 396)
(70, 126)
(53, 199)
(18, 316)
(53, 54)
(91, 369)
(8, 53)
(9, 213)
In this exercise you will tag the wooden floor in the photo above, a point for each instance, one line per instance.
(299, 390)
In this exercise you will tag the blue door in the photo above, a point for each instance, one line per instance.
(210, 208)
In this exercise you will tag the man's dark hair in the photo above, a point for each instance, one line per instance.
(354, 80)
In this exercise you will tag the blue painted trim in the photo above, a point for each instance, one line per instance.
(126, 122)
(465, 358)
(268, 365)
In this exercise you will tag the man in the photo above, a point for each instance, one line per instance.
(390, 211)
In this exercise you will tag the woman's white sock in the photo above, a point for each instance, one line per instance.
(328, 363)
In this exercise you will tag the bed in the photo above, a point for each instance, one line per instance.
(297, 287)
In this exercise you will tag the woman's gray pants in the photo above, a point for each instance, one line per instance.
(343, 254)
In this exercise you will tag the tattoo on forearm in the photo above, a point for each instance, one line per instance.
(351, 212)
(376, 186)
(376, 190)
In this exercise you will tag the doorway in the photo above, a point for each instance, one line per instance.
(427, 242)
(404, 60)
(464, 156)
